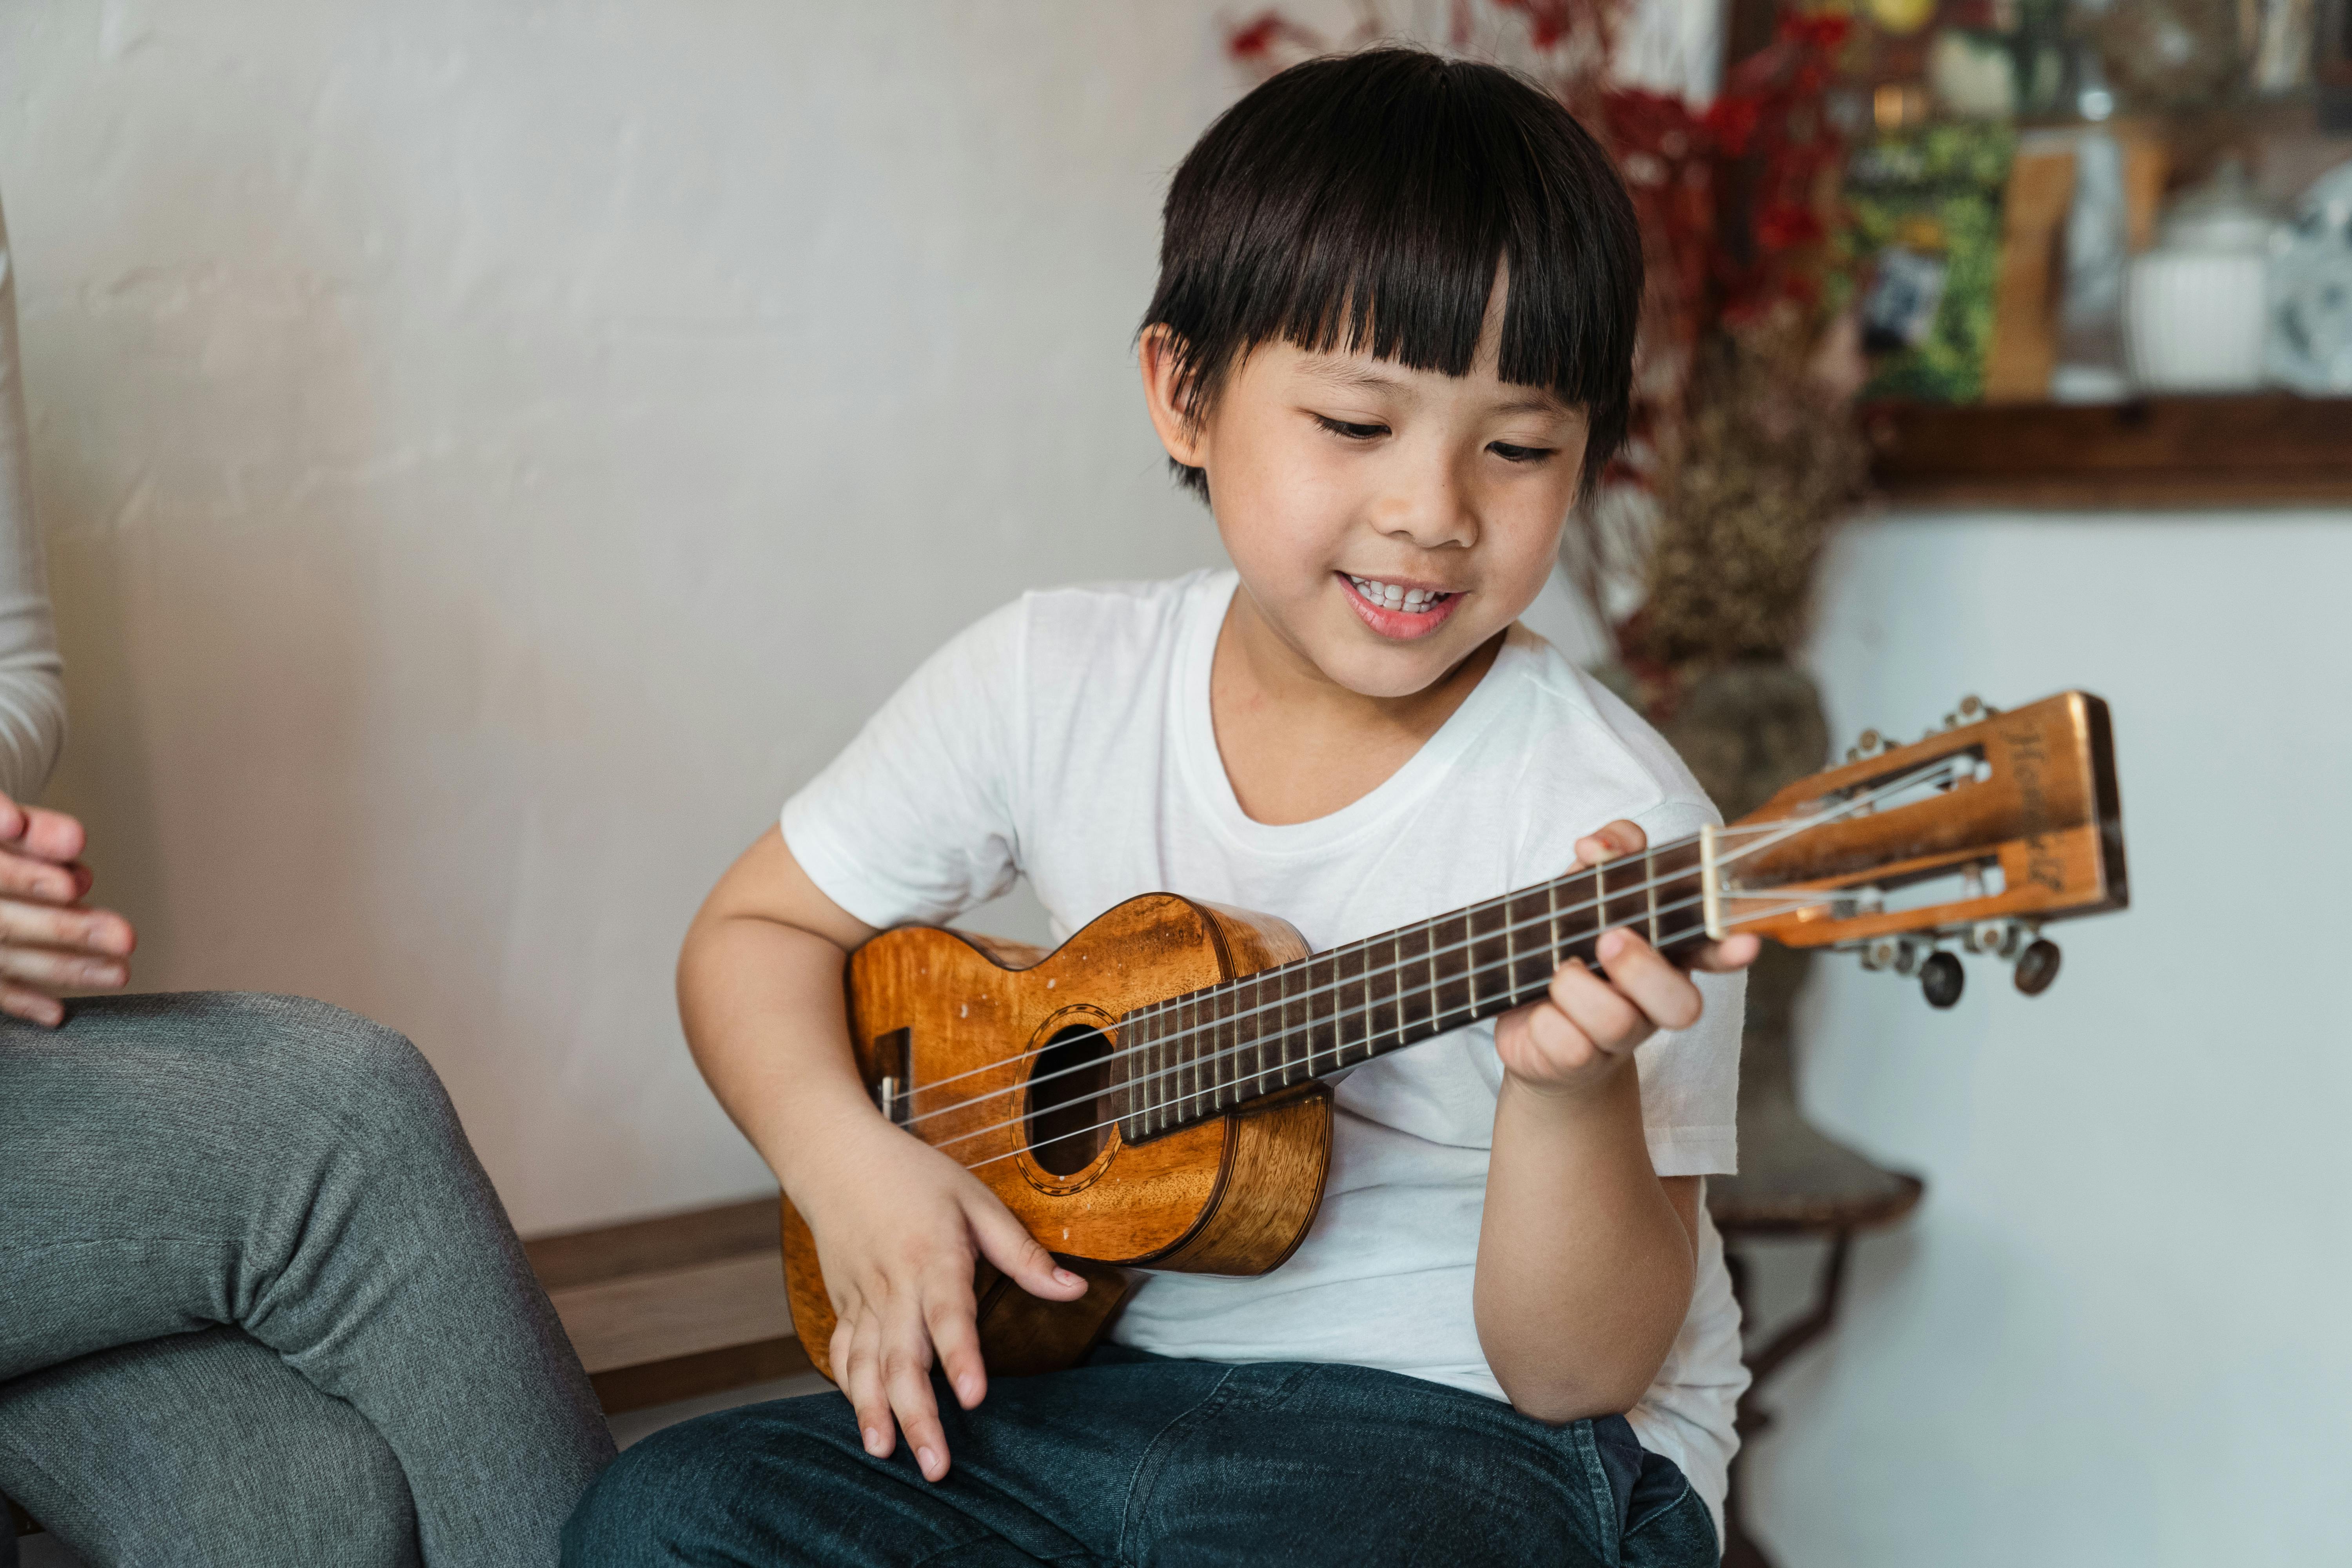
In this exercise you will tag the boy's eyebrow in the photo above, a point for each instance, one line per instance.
(1351, 375)
(1356, 376)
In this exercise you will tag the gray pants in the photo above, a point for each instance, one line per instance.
(260, 1305)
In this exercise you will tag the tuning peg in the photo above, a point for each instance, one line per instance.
(1869, 743)
(1941, 978)
(2037, 966)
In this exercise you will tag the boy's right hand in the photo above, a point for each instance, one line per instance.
(898, 1226)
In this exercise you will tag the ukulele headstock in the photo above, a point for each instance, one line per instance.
(1971, 838)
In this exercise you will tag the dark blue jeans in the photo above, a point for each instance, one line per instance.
(1141, 1460)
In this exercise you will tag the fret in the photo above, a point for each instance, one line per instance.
(1337, 991)
(1188, 1100)
(1430, 946)
(1240, 1013)
(1510, 958)
(1453, 971)
(1131, 1065)
(1649, 881)
(1232, 1061)
(1227, 1041)
(1411, 1002)
(1358, 995)
(1486, 976)
(1599, 907)
(1383, 1025)
(1320, 975)
(1215, 1049)
(1678, 885)
(1147, 1081)
(1583, 917)
(1188, 1052)
(1528, 968)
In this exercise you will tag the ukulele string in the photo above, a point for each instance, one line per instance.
(1338, 1052)
(1230, 1050)
(1394, 967)
(1778, 831)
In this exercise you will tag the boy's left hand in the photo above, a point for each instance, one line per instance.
(1577, 1036)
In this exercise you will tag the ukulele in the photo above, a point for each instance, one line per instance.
(1151, 1095)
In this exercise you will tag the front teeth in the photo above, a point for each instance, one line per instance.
(1388, 595)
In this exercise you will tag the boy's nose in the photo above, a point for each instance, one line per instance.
(1428, 506)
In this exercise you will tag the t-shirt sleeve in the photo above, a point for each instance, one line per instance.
(1690, 1077)
(915, 821)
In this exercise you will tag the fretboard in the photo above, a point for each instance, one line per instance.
(1209, 1051)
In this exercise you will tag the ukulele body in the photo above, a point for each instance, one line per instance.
(1232, 1194)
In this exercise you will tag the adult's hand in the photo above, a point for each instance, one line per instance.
(51, 941)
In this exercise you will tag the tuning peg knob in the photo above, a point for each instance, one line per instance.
(2037, 966)
(1941, 979)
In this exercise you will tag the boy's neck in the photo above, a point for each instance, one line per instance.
(1296, 745)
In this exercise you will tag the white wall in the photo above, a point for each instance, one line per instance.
(491, 454)
(2114, 1332)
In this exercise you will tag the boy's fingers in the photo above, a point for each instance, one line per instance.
(1006, 1242)
(907, 1379)
(955, 1333)
(1733, 952)
(1663, 994)
(1557, 1038)
(1610, 841)
(1593, 1005)
(862, 1381)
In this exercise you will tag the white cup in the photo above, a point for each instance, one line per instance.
(2197, 321)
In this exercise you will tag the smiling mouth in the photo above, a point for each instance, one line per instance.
(1396, 612)
(1388, 597)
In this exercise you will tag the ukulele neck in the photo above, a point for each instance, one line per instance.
(1210, 1051)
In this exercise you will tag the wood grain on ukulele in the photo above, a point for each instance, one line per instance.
(1151, 1094)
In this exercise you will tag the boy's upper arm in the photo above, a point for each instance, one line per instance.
(767, 882)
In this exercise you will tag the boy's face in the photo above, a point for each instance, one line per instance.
(1385, 521)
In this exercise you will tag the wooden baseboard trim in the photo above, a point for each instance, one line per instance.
(652, 1246)
(684, 1377)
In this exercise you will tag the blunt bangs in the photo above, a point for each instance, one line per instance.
(1370, 202)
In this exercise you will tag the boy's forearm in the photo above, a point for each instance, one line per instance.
(1585, 1268)
(765, 1018)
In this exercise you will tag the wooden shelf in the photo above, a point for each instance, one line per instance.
(2265, 449)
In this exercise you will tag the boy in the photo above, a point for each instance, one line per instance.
(1391, 338)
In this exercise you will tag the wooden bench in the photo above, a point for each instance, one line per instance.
(670, 1307)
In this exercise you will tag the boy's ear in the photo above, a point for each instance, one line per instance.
(1167, 392)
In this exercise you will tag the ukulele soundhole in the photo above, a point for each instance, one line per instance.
(1065, 1097)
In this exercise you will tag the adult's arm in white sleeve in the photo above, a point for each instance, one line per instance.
(31, 684)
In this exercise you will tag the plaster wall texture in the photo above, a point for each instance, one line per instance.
(490, 455)
(2113, 1332)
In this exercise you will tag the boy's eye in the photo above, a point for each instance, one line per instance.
(1353, 432)
(1511, 454)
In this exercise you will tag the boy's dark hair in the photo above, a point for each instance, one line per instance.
(1366, 202)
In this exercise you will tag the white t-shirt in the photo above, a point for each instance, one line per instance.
(1067, 737)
